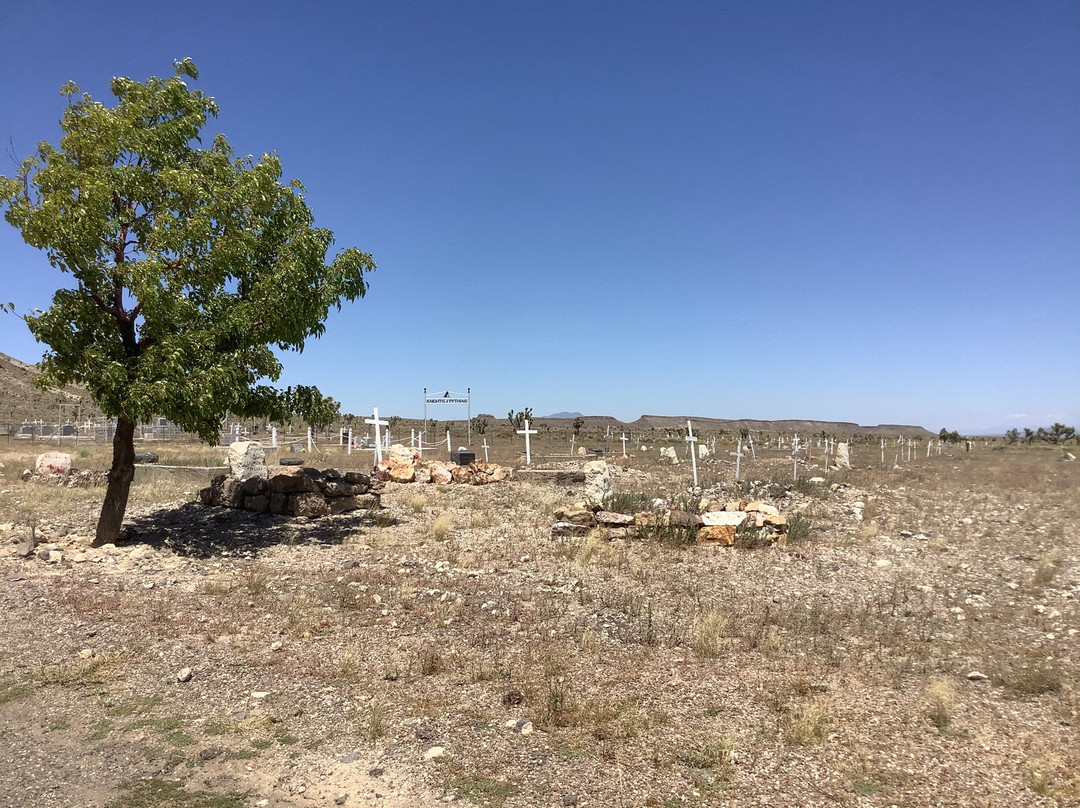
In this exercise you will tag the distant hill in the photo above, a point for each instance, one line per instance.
(561, 415)
(806, 427)
(21, 401)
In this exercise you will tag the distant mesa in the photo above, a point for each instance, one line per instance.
(564, 415)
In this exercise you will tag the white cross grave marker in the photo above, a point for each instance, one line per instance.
(448, 449)
(624, 444)
(752, 452)
(738, 455)
(273, 437)
(693, 449)
(309, 439)
(485, 450)
(528, 448)
(572, 439)
(374, 420)
(795, 459)
(349, 451)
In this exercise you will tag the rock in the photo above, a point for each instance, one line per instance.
(24, 549)
(717, 534)
(841, 456)
(309, 504)
(401, 473)
(668, 453)
(646, 519)
(247, 459)
(402, 454)
(210, 752)
(86, 653)
(434, 753)
(55, 557)
(367, 502)
(343, 504)
(146, 458)
(290, 461)
(576, 514)
(342, 489)
(610, 518)
(775, 520)
(564, 530)
(340, 799)
(977, 676)
(423, 475)
(257, 504)
(278, 503)
(597, 483)
(723, 518)
(358, 479)
(462, 475)
(816, 480)
(53, 463)
(184, 675)
(683, 519)
(294, 481)
(702, 451)
(762, 507)
(569, 800)
(1068, 457)
(228, 492)
(440, 474)
(582, 451)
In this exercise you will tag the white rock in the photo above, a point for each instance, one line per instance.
(668, 452)
(53, 463)
(714, 518)
(841, 456)
(434, 753)
(183, 675)
(977, 676)
(247, 459)
(597, 482)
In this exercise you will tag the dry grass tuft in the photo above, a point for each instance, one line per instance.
(440, 530)
(940, 696)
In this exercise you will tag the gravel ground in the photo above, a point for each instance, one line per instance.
(919, 647)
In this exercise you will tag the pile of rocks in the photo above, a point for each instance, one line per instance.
(717, 523)
(303, 492)
(54, 468)
(403, 466)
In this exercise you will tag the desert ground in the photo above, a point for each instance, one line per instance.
(915, 643)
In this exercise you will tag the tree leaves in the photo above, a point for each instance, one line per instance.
(188, 264)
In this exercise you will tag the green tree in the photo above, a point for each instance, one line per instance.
(479, 425)
(578, 424)
(1059, 433)
(187, 264)
(1012, 435)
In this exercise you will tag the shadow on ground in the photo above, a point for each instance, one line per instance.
(198, 531)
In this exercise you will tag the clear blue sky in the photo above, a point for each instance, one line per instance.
(864, 211)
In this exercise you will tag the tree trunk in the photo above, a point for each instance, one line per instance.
(120, 477)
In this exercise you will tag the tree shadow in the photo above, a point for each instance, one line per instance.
(197, 531)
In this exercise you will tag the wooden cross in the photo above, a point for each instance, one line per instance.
(624, 444)
(572, 439)
(349, 451)
(693, 449)
(448, 449)
(738, 455)
(528, 449)
(374, 420)
(273, 437)
(308, 439)
(795, 459)
(485, 450)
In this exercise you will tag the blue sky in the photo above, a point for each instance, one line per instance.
(859, 211)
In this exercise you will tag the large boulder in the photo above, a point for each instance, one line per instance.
(247, 459)
(401, 454)
(668, 453)
(440, 474)
(597, 483)
(717, 534)
(310, 504)
(53, 463)
(576, 514)
(294, 481)
(401, 473)
(723, 518)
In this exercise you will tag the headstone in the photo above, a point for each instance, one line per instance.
(400, 454)
(668, 452)
(597, 482)
(702, 451)
(528, 447)
(841, 456)
(247, 459)
(53, 463)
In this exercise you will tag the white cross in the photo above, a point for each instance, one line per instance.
(448, 450)
(374, 420)
(485, 450)
(572, 439)
(795, 459)
(528, 449)
(350, 441)
(753, 453)
(273, 437)
(738, 455)
(693, 449)
(624, 444)
(308, 439)
(341, 436)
